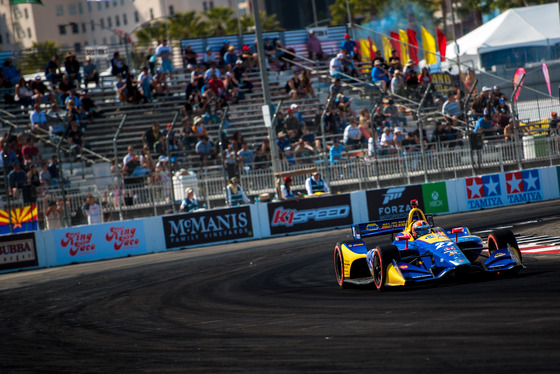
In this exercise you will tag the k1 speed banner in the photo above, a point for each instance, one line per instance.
(210, 226)
(309, 214)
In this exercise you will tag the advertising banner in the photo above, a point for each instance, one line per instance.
(309, 214)
(496, 190)
(18, 251)
(97, 242)
(391, 203)
(210, 226)
(435, 198)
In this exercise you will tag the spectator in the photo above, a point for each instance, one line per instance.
(379, 57)
(38, 119)
(91, 74)
(75, 138)
(335, 153)
(208, 58)
(336, 66)
(314, 47)
(231, 161)
(45, 175)
(286, 189)
(11, 73)
(198, 128)
(393, 115)
(8, 157)
(288, 156)
(31, 153)
(350, 46)
(379, 75)
(333, 121)
(387, 142)
(304, 152)
(380, 120)
(162, 174)
(270, 53)
(145, 80)
(196, 82)
(410, 67)
(282, 142)
(24, 95)
(292, 125)
(41, 94)
(151, 60)
(205, 150)
(373, 145)
(398, 86)
(121, 89)
(306, 84)
(344, 105)
(118, 66)
(453, 135)
(92, 210)
(316, 185)
(249, 57)
(503, 115)
(230, 58)
(188, 137)
(336, 87)
(223, 51)
(54, 171)
(235, 195)
(247, 157)
(552, 124)
(159, 84)
(484, 125)
(451, 109)
(147, 162)
(293, 86)
(439, 135)
(151, 135)
(352, 135)
(425, 75)
(190, 202)
(17, 178)
(64, 88)
(241, 75)
(165, 53)
(412, 85)
(54, 213)
(72, 67)
(189, 56)
(89, 106)
(52, 71)
(364, 124)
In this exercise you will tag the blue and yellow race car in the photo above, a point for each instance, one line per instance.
(421, 253)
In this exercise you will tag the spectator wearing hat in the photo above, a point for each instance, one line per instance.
(162, 175)
(235, 195)
(223, 51)
(379, 75)
(145, 81)
(282, 143)
(198, 128)
(92, 210)
(72, 67)
(189, 56)
(230, 57)
(242, 77)
(335, 153)
(205, 150)
(352, 134)
(553, 124)
(484, 125)
(503, 114)
(351, 47)
(286, 189)
(314, 47)
(190, 202)
(249, 57)
(387, 142)
(41, 94)
(208, 58)
(315, 184)
(336, 66)
(498, 93)
(91, 74)
(393, 115)
(409, 67)
(398, 84)
(292, 125)
(52, 71)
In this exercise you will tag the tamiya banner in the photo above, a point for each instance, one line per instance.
(309, 214)
(182, 230)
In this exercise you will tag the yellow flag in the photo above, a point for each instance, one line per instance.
(403, 36)
(386, 47)
(429, 45)
(364, 50)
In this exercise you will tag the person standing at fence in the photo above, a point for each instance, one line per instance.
(92, 210)
(54, 213)
(316, 185)
(553, 124)
(190, 202)
(235, 195)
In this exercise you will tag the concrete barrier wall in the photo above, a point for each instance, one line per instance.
(87, 243)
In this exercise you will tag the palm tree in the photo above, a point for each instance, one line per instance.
(152, 31)
(36, 58)
(268, 23)
(359, 9)
(187, 25)
(221, 21)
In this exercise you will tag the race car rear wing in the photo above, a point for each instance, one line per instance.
(391, 226)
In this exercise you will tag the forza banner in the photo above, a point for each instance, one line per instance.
(308, 214)
(210, 226)
(391, 203)
(18, 251)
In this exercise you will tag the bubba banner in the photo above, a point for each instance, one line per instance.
(97, 242)
(391, 203)
(18, 251)
(308, 214)
(210, 226)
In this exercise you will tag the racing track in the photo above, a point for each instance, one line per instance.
(274, 306)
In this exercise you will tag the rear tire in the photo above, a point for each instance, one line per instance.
(382, 257)
(339, 266)
(500, 239)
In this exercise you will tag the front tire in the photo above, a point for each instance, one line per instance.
(382, 257)
(339, 266)
(500, 239)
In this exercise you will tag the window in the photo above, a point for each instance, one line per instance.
(99, 6)
(60, 11)
(102, 23)
(136, 17)
(122, 2)
(107, 5)
(29, 33)
(109, 22)
(72, 10)
(113, 39)
(104, 41)
(84, 30)
(62, 29)
(1, 41)
(211, 4)
(124, 19)
(151, 13)
(77, 47)
(92, 26)
(75, 28)
(89, 7)
(117, 21)
(171, 10)
(80, 8)
(204, 6)
(26, 12)
(115, 3)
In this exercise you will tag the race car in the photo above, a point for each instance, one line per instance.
(421, 252)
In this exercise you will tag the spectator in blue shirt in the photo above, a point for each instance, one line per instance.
(379, 75)
(335, 152)
(11, 73)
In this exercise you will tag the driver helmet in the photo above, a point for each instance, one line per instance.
(420, 228)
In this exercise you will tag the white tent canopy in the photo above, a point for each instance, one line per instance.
(519, 27)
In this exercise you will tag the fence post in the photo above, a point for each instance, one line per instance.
(62, 187)
(118, 169)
